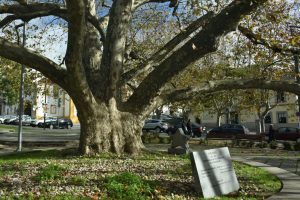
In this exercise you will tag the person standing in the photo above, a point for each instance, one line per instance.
(189, 128)
(271, 133)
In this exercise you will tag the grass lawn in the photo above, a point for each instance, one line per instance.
(64, 175)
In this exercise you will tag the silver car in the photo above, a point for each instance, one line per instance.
(156, 125)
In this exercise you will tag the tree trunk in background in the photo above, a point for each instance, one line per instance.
(219, 119)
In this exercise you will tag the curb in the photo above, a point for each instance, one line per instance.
(290, 181)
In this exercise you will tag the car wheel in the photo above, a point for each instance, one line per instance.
(157, 130)
(67, 126)
(298, 140)
(51, 126)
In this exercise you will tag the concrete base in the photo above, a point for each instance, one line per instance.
(178, 150)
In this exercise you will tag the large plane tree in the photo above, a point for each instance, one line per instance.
(94, 74)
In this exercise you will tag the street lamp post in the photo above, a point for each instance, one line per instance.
(21, 96)
(45, 104)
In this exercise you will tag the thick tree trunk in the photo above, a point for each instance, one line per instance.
(109, 130)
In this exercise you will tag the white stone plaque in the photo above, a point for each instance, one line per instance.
(213, 172)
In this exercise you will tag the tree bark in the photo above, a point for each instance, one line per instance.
(107, 129)
(219, 119)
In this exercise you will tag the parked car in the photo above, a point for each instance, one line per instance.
(157, 125)
(286, 133)
(227, 131)
(4, 117)
(10, 120)
(57, 124)
(26, 120)
(40, 122)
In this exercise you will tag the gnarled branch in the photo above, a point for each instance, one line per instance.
(204, 42)
(29, 58)
(257, 39)
(216, 86)
(34, 10)
(162, 53)
(76, 15)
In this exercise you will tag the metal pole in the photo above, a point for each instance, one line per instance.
(21, 96)
(296, 59)
(45, 104)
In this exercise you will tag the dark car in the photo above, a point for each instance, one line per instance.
(58, 124)
(287, 133)
(196, 128)
(228, 131)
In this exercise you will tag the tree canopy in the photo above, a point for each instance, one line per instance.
(117, 71)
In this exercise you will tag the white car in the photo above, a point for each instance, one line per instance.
(2, 118)
(156, 125)
(35, 123)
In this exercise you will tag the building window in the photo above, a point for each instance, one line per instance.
(282, 117)
(281, 97)
(53, 109)
(268, 118)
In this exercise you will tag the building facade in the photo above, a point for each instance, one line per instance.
(55, 102)
(285, 113)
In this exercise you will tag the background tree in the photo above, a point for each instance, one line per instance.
(10, 81)
(241, 58)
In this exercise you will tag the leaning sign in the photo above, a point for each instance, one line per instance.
(213, 172)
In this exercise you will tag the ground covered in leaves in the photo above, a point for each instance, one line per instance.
(64, 175)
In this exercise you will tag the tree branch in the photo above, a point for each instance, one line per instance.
(204, 42)
(162, 53)
(26, 12)
(22, 2)
(29, 58)
(216, 86)
(76, 25)
(8, 19)
(114, 48)
(34, 10)
(257, 39)
(139, 3)
(97, 24)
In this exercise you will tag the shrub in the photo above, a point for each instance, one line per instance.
(164, 140)
(50, 172)
(263, 144)
(250, 144)
(127, 186)
(243, 143)
(297, 146)
(287, 146)
(273, 144)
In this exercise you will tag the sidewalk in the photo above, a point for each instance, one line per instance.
(290, 181)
